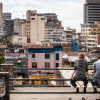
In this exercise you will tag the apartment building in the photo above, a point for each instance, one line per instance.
(34, 28)
(53, 27)
(17, 55)
(17, 39)
(53, 34)
(89, 34)
(18, 25)
(68, 35)
(5, 15)
(91, 11)
(1, 13)
(71, 29)
(44, 57)
(9, 26)
(52, 15)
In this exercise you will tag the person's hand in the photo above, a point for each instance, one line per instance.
(71, 78)
(88, 78)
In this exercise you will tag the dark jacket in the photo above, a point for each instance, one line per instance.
(81, 67)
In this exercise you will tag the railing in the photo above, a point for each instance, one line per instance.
(46, 79)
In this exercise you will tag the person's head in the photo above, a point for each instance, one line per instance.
(98, 58)
(81, 56)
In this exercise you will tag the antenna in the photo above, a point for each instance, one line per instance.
(23, 16)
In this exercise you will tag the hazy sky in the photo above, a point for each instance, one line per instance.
(70, 12)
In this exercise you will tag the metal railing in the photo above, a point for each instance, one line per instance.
(46, 79)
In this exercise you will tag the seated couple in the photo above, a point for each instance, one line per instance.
(80, 71)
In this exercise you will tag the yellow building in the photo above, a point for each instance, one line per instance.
(41, 82)
(89, 34)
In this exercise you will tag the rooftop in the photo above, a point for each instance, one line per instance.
(51, 95)
(2, 46)
(70, 53)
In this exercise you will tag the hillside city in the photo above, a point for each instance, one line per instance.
(39, 47)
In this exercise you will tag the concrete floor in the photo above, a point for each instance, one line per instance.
(51, 96)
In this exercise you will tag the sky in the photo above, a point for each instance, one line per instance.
(70, 12)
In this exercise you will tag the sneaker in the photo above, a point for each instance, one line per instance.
(84, 90)
(77, 90)
(83, 98)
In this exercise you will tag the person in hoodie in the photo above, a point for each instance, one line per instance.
(80, 71)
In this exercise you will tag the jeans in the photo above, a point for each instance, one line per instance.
(74, 84)
(96, 83)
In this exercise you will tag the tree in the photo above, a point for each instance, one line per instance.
(78, 33)
(7, 42)
(2, 60)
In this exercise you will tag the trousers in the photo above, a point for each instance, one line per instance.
(74, 84)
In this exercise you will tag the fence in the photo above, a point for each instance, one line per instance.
(46, 79)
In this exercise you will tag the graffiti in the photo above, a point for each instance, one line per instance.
(2, 87)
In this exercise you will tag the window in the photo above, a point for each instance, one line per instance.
(42, 18)
(23, 63)
(47, 56)
(57, 65)
(34, 65)
(57, 56)
(47, 65)
(98, 29)
(33, 55)
(33, 18)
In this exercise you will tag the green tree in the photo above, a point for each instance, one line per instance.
(2, 60)
(7, 42)
(78, 33)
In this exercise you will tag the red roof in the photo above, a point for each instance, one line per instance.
(2, 46)
(28, 44)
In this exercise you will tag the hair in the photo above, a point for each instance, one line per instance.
(81, 55)
(98, 57)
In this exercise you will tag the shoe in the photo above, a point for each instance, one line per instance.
(95, 90)
(83, 98)
(77, 90)
(84, 90)
(70, 99)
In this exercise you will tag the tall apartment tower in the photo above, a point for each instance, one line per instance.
(1, 13)
(34, 28)
(91, 11)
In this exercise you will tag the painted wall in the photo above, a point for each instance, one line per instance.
(19, 39)
(40, 59)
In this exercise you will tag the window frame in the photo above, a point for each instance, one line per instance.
(48, 64)
(33, 55)
(56, 56)
(48, 56)
(34, 63)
